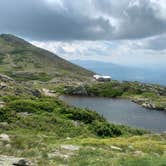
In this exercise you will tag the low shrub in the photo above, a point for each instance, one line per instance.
(30, 106)
(105, 129)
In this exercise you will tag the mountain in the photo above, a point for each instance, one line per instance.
(147, 74)
(23, 61)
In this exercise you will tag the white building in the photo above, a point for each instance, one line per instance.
(102, 78)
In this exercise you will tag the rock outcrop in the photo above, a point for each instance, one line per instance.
(5, 78)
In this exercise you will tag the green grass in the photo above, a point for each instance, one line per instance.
(37, 146)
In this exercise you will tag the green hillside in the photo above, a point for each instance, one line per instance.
(23, 61)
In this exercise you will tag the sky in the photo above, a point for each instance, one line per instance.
(126, 32)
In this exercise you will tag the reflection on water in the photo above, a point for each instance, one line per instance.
(121, 111)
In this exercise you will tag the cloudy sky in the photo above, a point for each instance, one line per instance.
(128, 32)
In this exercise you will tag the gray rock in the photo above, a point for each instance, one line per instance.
(24, 114)
(63, 155)
(138, 153)
(76, 123)
(149, 105)
(8, 146)
(68, 138)
(131, 147)
(12, 160)
(22, 162)
(156, 154)
(4, 137)
(79, 90)
(65, 151)
(36, 93)
(70, 147)
(115, 148)
(4, 125)
(2, 104)
(5, 78)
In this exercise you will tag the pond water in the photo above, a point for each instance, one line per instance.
(121, 111)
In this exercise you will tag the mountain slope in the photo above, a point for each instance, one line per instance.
(23, 61)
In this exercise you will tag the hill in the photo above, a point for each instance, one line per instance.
(23, 61)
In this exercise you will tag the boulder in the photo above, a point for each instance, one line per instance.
(4, 137)
(3, 85)
(115, 148)
(70, 147)
(2, 104)
(149, 105)
(65, 151)
(5, 78)
(8, 146)
(36, 93)
(138, 153)
(4, 125)
(22, 162)
(79, 90)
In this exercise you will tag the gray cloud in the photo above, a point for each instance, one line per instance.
(82, 20)
(140, 20)
(38, 20)
(156, 43)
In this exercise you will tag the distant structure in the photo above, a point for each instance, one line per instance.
(102, 78)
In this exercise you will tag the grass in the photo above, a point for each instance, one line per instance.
(37, 146)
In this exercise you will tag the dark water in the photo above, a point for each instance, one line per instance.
(122, 112)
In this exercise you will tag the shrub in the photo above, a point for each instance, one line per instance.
(3, 116)
(83, 115)
(30, 106)
(105, 129)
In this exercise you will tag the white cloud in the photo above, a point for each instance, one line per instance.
(124, 52)
(160, 8)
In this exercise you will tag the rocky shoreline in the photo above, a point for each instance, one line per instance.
(144, 102)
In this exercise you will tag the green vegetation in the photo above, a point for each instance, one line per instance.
(105, 90)
(24, 62)
(25, 76)
(55, 113)
(39, 127)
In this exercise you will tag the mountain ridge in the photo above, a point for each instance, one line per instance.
(23, 61)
